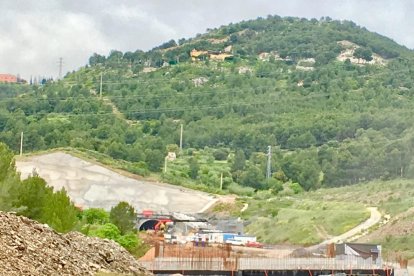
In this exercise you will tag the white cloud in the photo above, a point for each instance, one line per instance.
(38, 32)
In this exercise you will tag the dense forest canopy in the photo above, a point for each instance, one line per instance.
(334, 101)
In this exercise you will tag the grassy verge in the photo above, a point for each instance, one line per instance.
(300, 220)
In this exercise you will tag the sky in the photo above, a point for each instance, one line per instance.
(35, 34)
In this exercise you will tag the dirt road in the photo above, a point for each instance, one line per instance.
(374, 219)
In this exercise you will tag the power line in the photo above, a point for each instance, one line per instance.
(173, 94)
(166, 110)
(146, 96)
(60, 67)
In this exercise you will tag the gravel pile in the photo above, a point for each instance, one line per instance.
(30, 248)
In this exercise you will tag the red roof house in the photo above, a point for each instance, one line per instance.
(8, 78)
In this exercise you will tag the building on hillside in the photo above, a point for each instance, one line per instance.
(198, 55)
(221, 56)
(7, 78)
(171, 156)
(213, 55)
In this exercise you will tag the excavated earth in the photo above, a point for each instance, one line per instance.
(30, 248)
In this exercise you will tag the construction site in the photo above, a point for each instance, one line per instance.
(189, 242)
(188, 245)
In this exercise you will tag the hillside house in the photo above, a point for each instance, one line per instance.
(7, 78)
(221, 57)
(171, 156)
(202, 55)
(198, 55)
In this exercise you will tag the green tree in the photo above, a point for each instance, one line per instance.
(252, 177)
(239, 161)
(154, 159)
(6, 161)
(123, 215)
(221, 154)
(59, 212)
(32, 196)
(105, 231)
(194, 167)
(96, 216)
(9, 179)
(363, 53)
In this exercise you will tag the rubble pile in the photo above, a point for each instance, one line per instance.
(30, 248)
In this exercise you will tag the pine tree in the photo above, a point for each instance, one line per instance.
(59, 212)
(9, 179)
(123, 216)
(32, 195)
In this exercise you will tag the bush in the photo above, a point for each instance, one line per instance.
(221, 154)
(239, 190)
(96, 215)
(106, 231)
(128, 241)
(296, 188)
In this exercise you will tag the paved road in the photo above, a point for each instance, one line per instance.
(91, 185)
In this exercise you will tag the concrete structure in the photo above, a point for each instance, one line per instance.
(92, 185)
(7, 78)
(362, 250)
(264, 266)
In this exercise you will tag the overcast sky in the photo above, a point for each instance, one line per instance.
(34, 34)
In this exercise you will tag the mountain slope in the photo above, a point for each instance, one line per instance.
(332, 99)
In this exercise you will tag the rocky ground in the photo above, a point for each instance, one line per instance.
(30, 248)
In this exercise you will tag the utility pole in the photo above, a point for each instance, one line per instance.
(221, 181)
(165, 164)
(181, 138)
(100, 87)
(21, 144)
(60, 67)
(269, 158)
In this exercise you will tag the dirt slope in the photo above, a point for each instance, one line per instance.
(30, 248)
(91, 185)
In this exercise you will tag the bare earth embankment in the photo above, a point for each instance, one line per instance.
(93, 185)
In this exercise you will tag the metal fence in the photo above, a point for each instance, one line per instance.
(306, 263)
(202, 264)
(233, 264)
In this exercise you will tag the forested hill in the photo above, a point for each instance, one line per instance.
(334, 101)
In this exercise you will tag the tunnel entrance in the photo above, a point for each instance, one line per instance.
(148, 225)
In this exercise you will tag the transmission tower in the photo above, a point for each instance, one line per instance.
(60, 67)
(269, 160)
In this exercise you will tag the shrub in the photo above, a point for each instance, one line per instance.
(221, 154)
(96, 215)
(239, 190)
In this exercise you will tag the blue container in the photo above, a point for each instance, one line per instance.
(228, 236)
